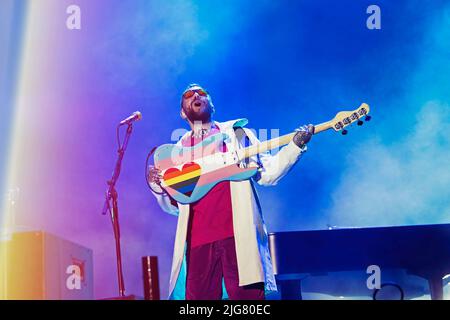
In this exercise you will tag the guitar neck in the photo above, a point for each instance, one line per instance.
(278, 142)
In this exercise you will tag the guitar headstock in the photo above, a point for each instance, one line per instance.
(346, 118)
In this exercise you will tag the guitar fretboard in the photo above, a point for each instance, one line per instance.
(278, 142)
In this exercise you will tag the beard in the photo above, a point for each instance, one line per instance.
(203, 115)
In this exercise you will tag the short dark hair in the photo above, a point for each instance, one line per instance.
(191, 85)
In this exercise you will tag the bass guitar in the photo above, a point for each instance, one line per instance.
(188, 173)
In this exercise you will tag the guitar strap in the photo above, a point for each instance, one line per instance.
(244, 141)
(240, 135)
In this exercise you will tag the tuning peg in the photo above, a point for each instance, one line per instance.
(344, 132)
(359, 123)
(367, 118)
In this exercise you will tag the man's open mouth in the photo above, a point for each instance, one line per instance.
(197, 103)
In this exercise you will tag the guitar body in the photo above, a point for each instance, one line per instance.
(189, 173)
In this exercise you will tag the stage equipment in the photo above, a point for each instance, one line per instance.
(38, 265)
(111, 204)
(151, 278)
(422, 250)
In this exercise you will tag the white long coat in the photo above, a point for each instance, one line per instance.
(250, 233)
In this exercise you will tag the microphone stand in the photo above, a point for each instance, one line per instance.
(112, 196)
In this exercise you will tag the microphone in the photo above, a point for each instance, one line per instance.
(136, 116)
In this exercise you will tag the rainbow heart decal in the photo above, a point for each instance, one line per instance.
(184, 180)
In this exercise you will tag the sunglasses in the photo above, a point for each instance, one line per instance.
(190, 93)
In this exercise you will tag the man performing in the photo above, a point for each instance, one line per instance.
(222, 238)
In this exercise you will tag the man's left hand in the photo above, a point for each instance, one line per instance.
(303, 135)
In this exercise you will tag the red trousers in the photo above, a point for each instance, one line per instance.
(208, 264)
